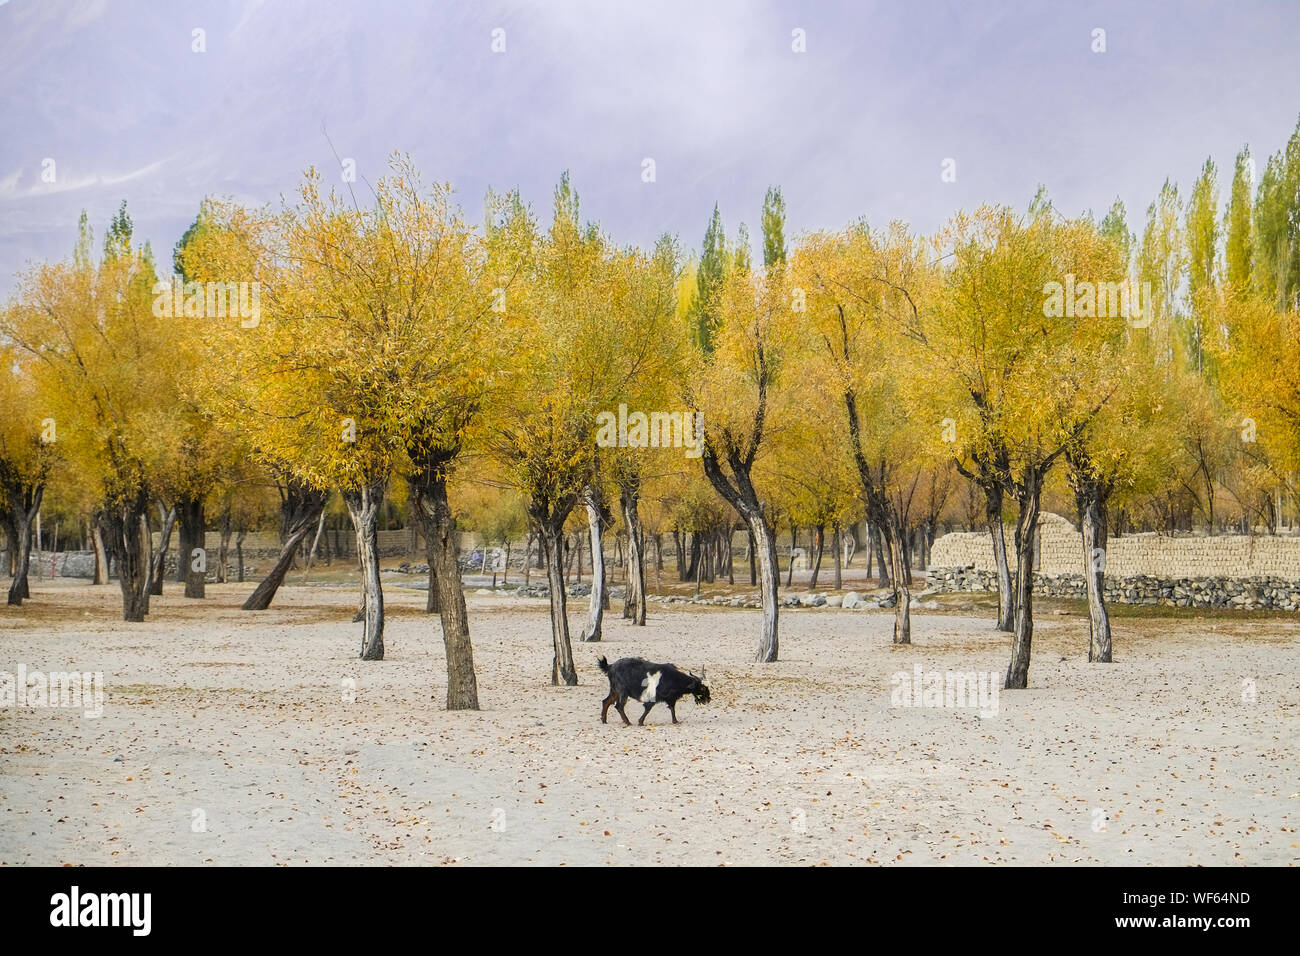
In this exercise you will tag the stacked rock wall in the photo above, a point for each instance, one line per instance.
(1242, 571)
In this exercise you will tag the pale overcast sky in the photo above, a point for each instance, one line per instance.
(858, 124)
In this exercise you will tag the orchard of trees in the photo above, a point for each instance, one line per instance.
(1139, 373)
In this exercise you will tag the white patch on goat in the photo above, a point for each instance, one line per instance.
(651, 685)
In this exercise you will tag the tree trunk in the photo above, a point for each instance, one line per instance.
(699, 568)
(301, 508)
(146, 548)
(598, 518)
(659, 564)
(1027, 496)
(183, 544)
(738, 491)
(794, 544)
(1092, 522)
(24, 503)
(125, 532)
(883, 580)
(438, 525)
(159, 569)
(693, 568)
(363, 507)
(769, 580)
(315, 544)
(728, 557)
(890, 538)
(1006, 594)
(604, 573)
(552, 538)
(193, 556)
(11, 544)
(634, 602)
(433, 597)
(819, 537)
(907, 537)
(101, 552)
(223, 550)
(753, 567)
(838, 544)
(528, 558)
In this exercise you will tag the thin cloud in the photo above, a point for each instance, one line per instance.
(856, 125)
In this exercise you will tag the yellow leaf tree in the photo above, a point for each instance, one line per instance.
(101, 357)
(742, 387)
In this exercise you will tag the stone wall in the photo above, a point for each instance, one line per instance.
(60, 564)
(1234, 571)
(1246, 594)
(1060, 552)
(81, 564)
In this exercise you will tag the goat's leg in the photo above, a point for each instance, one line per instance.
(604, 706)
(641, 722)
(672, 709)
(618, 705)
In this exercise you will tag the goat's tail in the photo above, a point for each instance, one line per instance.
(602, 664)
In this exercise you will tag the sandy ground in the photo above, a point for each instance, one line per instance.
(228, 738)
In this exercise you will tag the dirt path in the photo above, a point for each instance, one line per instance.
(228, 737)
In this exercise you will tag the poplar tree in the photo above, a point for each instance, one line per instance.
(703, 313)
(1277, 226)
(743, 388)
(1114, 228)
(1202, 235)
(1239, 247)
(773, 227)
(1162, 261)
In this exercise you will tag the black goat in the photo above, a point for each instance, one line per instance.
(649, 683)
